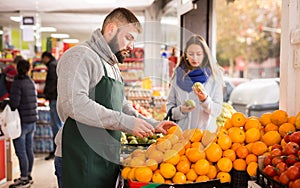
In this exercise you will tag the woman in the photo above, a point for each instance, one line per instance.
(23, 96)
(196, 65)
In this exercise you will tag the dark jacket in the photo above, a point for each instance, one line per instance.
(50, 90)
(23, 96)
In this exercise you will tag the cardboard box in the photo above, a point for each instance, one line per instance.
(13, 169)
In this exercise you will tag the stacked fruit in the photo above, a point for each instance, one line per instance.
(227, 111)
(179, 157)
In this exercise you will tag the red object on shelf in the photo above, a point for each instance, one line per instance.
(2, 160)
(136, 184)
(6, 60)
(133, 59)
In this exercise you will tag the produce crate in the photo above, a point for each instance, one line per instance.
(239, 179)
(208, 184)
(265, 181)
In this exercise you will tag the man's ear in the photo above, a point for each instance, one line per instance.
(110, 30)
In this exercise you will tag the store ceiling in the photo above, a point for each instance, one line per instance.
(78, 18)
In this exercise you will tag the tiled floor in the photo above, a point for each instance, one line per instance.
(42, 173)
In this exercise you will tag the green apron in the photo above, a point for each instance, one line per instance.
(90, 154)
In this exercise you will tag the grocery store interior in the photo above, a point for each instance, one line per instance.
(257, 45)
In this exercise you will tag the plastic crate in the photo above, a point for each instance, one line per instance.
(265, 181)
(239, 179)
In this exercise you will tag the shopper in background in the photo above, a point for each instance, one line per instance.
(50, 92)
(23, 96)
(91, 102)
(196, 65)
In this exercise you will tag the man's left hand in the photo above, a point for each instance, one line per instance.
(163, 126)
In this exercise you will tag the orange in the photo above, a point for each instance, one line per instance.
(175, 130)
(131, 174)
(126, 162)
(239, 164)
(197, 145)
(201, 167)
(150, 149)
(259, 148)
(167, 170)
(202, 179)
(143, 174)
(172, 138)
(235, 145)
(213, 152)
(184, 158)
(194, 154)
(252, 123)
(230, 154)
(158, 156)
(249, 147)
(158, 178)
(196, 135)
(179, 147)
(125, 172)
(187, 134)
(224, 177)
(236, 134)
(252, 135)
(179, 177)
(286, 128)
(152, 164)
(168, 182)
(251, 158)
(242, 152)
(297, 121)
(271, 138)
(137, 152)
(191, 175)
(252, 168)
(224, 164)
(265, 118)
(163, 144)
(227, 124)
(279, 117)
(238, 119)
(171, 156)
(292, 119)
(183, 166)
(212, 172)
(222, 131)
(271, 127)
(224, 142)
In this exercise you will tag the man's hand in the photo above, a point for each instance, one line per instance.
(142, 128)
(163, 126)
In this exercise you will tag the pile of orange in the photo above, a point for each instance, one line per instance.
(194, 155)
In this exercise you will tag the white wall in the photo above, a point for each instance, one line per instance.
(289, 73)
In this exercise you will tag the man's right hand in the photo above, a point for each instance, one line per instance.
(142, 128)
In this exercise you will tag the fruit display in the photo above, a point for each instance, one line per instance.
(130, 139)
(227, 111)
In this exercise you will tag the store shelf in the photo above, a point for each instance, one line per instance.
(5, 60)
(134, 59)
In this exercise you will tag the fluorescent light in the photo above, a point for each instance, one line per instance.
(71, 41)
(48, 29)
(60, 36)
(1, 32)
(15, 18)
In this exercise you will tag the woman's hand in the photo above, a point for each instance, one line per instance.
(186, 109)
(163, 126)
(201, 94)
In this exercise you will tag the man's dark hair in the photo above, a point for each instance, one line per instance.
(23, 67)
(47, 54)
(122, 16)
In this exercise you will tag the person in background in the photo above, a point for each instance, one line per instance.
(23, 96)
(92, 104)
(196, 65)
(10, 72)
(50, 92)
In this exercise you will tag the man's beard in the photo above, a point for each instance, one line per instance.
(114, 46)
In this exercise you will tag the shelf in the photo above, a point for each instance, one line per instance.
(40, 69)
(133, 59)
(6, 60)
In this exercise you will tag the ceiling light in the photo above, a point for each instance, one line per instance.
(59, 36)
(15, 18)
(71, 41)
(48, 29)
(1, 32)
